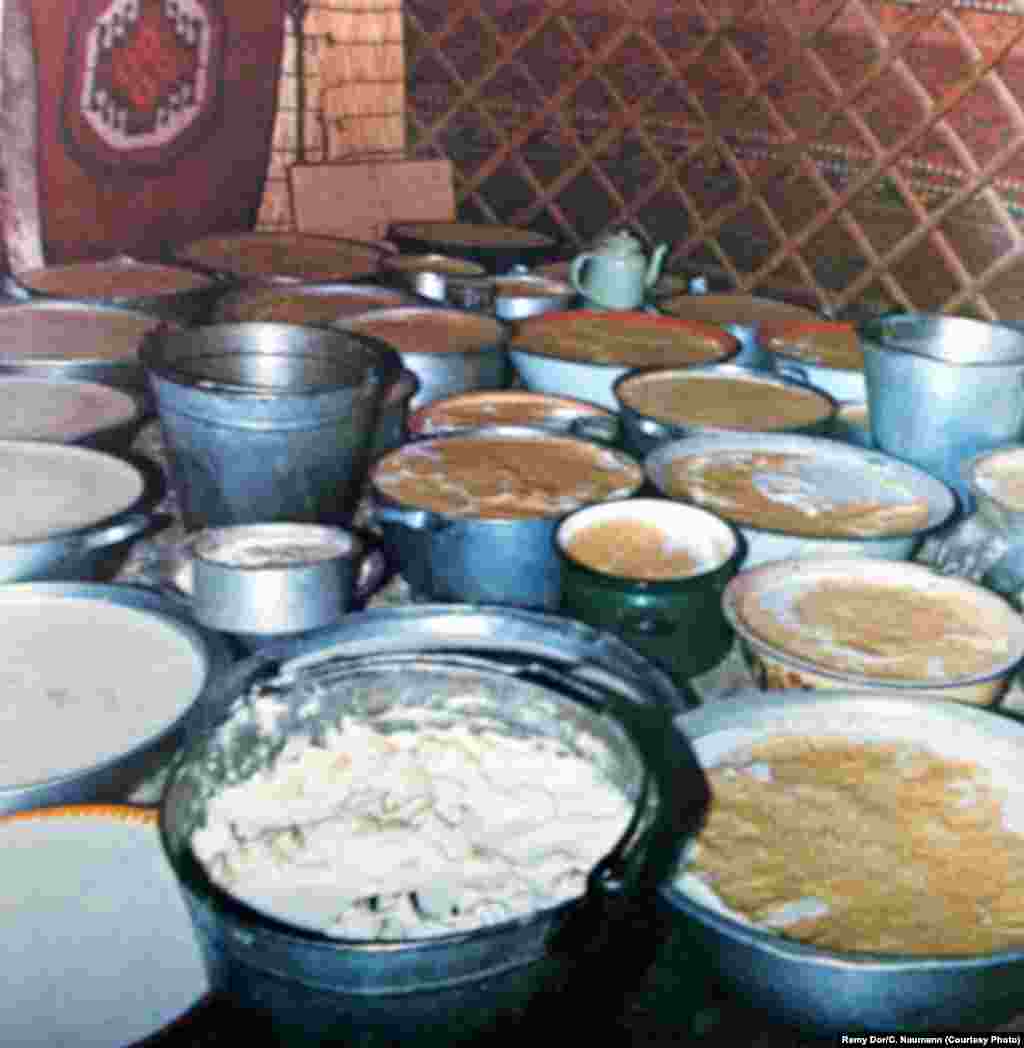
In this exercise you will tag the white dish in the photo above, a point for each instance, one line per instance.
(98, 948)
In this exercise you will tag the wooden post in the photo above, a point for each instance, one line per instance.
(342, 92)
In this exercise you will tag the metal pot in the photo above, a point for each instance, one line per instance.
(941, 389)
(449, 351)
(519, 295)
(642, 432)
(444, 556)
(454, 987)
(113, 778)
(830, 992)
(322, 572)
(267, 422)
(427, 275)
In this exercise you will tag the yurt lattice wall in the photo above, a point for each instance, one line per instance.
(858, 154)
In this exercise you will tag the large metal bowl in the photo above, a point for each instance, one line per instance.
(828, 992)
(449, 988)
(114, 776)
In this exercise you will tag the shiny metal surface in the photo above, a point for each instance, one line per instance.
(114, 778)
(267, 422)
(829, 992)
(941, 389)
(525, 295)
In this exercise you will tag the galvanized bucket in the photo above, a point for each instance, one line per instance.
(942, 389)
(266, 422)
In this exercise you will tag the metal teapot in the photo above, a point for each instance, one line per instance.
(617, 273)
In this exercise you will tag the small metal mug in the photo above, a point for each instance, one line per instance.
(282, 578)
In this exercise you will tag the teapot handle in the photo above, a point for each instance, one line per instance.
(654, 266)
(576, 269)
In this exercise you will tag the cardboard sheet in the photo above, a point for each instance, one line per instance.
(360, 199)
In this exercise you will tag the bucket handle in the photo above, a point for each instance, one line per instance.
(662, 824)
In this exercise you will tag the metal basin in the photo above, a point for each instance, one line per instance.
(830, 471)
(827, 992)
(747, 401)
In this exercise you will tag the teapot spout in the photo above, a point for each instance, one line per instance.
(654, 265)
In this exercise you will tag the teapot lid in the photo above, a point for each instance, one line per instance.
(621, 242)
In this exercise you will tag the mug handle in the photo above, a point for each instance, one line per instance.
(371, 572)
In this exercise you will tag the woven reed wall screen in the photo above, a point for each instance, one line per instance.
(341, 93)
(860, 154)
